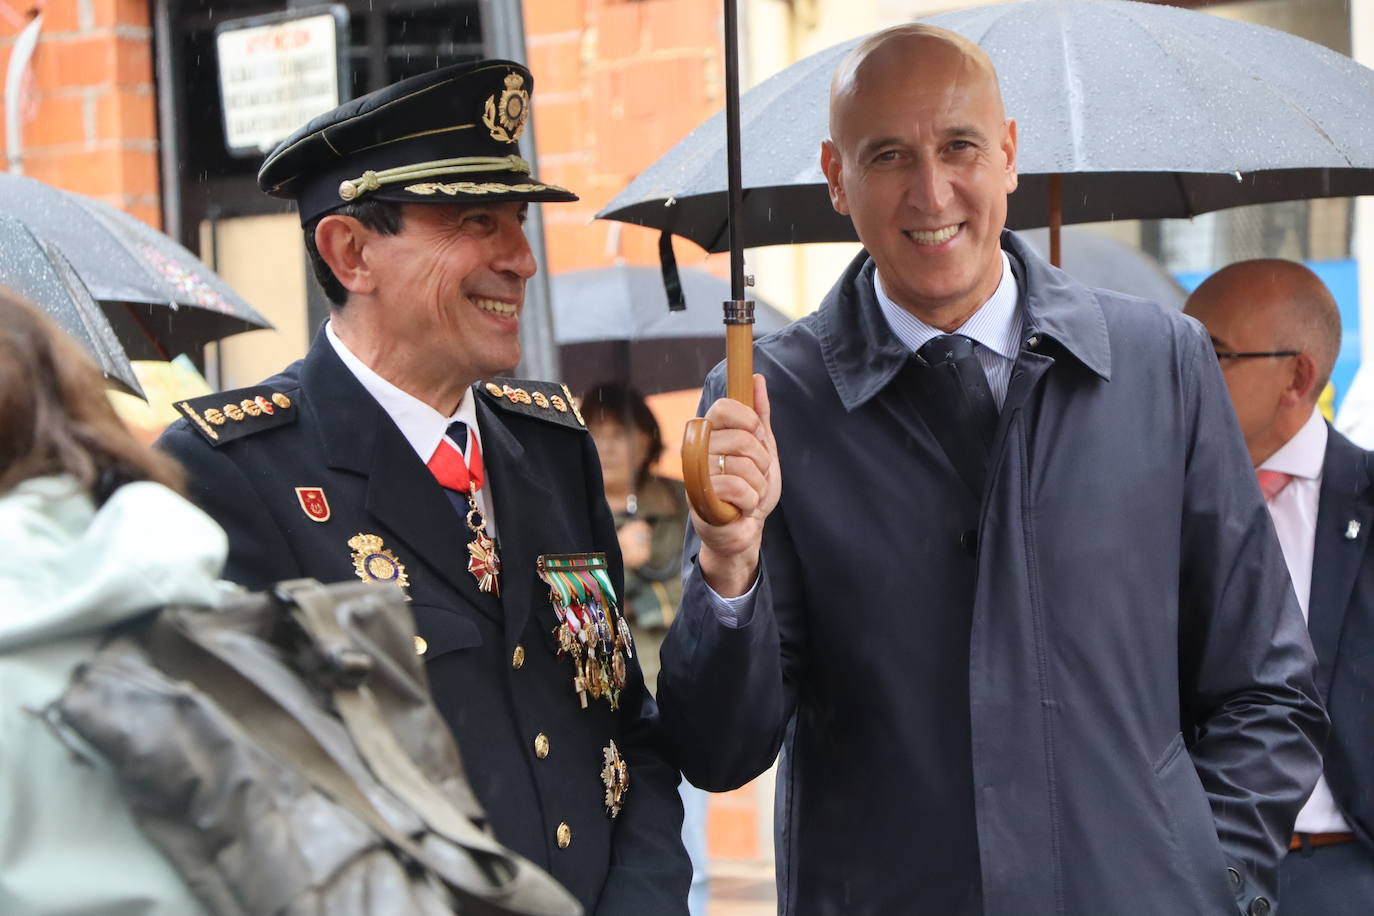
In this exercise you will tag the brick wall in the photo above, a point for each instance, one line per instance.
(617, 82)
(90, 113)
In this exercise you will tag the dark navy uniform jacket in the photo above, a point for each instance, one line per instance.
(533, 755)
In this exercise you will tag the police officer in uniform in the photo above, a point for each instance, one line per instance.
(391, 454)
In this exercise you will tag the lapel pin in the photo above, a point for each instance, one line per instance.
(313, 503)
(1352, 529)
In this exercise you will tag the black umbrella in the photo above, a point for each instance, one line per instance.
(613, 324)
(1136, 111)
(159, 298)
(1101, 261)
(38, 272)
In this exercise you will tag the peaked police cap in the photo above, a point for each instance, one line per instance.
(447, 136)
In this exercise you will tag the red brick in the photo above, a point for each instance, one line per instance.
(558, 128)
(121, 12)
(135, 61)
(126, 114)
(649, 87)
(59, 120)
(60, 16)
(149, 213)
(82, 62)
(619, 31)
(101, 59)
(544, 16)
(557, 66)
(682, 24)
(113, 171)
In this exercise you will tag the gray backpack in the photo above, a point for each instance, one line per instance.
(284, 754)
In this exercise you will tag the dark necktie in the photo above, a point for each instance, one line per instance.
(957, 405)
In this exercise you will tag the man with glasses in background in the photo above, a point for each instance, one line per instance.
(1276, 330)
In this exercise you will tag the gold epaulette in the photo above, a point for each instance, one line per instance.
(545, 400)
(230, 415)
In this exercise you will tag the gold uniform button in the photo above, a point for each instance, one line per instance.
(517, 660)
(564, 836)
(541, 745)
(421, 647)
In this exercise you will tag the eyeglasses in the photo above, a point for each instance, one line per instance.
(1260, 354)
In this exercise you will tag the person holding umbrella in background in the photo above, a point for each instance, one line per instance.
(1277, 330)
(1002, 588)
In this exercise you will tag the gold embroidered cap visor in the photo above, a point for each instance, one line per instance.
(448, 136)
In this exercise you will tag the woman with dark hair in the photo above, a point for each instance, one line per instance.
(650, 517)
(96, 534)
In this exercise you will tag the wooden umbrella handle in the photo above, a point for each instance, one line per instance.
(696, 439)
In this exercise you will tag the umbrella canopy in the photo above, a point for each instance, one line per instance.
(1103, 262)
(613, 324)
(1146, 111)
(38, 272)
(160, 299)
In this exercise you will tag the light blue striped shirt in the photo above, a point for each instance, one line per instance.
(996, 328)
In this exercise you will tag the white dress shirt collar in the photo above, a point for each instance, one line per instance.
(421, 425)
(996, 325)
(1304, 454)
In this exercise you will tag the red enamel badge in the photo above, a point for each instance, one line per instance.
(313, 503)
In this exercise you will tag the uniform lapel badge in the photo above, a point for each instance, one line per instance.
(591, 629)
(1352, 529)
(313, 503)
(373, 563)
(615, 776)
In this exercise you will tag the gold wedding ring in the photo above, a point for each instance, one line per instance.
(720, 463)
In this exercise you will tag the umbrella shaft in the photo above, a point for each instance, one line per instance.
(735, 183)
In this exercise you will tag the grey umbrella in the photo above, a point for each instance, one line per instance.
(39, 273)
(1146, 111)
(613, 324)
(160, 299)
(1101, 261)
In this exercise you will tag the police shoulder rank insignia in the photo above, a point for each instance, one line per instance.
(591, 629)
(373, 563)
(313, 503)
(545, 400)
(231, 415)
(615, 776)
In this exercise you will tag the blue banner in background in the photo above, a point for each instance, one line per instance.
(1342, 278)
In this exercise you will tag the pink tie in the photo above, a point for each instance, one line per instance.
(1272, 482)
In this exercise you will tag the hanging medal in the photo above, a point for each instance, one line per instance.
(591, 629)
(458, 476)
(483, 561)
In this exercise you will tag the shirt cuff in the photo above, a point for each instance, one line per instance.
(732, 612)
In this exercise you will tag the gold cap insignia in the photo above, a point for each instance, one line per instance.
(506, 118)
(615, 776)
(373, 563)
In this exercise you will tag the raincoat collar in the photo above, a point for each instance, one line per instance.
(862, 354)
